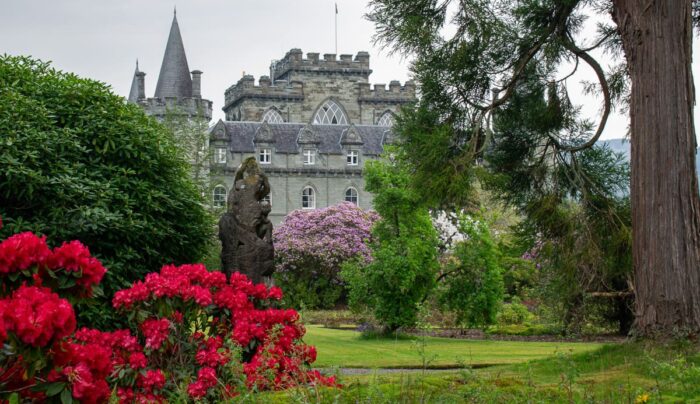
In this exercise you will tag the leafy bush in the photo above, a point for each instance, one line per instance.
(310, 248)
(514, 313)
(189, 326)
(471, 282)
(404, 251)
(79, 163)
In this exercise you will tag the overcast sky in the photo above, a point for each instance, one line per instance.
(223, 38)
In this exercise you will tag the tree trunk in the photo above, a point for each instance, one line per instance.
(657, 38)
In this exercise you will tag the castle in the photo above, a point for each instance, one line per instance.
(311, 124)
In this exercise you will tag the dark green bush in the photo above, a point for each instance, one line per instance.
(79, 163)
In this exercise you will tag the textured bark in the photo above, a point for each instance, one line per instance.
(657, 38)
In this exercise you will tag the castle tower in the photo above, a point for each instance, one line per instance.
(178, 91)
(174, 79)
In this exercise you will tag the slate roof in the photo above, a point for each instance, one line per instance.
(134, 92)
(241, 137)
(174, 79)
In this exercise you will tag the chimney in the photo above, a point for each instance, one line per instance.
(196, 84)
(141, 81)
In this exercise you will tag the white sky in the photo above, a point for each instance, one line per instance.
(101, 39)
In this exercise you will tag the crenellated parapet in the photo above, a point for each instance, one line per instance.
(192, 107)
(265, 90)
(294, 61)
(396, 93)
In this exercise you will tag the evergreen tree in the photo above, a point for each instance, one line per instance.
(472, 59)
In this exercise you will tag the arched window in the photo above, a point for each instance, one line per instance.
(272, 116)
(351, 195)
(387, 119)
(330, 113)
(308, 198)
(219, 196)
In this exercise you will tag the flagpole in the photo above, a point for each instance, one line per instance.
(336, 28)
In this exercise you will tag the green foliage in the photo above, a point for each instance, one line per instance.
(79, 163)
(514, 313)
(471, 280)
(404, 251)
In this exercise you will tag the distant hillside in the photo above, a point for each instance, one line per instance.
(623, 146)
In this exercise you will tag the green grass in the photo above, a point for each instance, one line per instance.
(621, 373)
(345, 348)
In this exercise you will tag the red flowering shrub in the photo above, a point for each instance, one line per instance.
(201, 326)
(191, 327)
(39, 359)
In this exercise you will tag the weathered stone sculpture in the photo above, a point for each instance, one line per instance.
(244, 230)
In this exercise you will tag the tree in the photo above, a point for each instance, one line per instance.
(404, 251)
(471, 281)
(310, 248)
(469, 65)
(79, 163)
(192, 138)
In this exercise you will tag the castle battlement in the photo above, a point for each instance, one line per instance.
(330, 63)
(266, 90)
(396, 93)
(191, 107)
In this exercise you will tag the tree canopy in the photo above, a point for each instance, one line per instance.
(80, 163)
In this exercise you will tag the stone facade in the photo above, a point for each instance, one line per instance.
(320, 109)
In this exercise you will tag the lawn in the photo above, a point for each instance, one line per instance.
(348, 349)
(620, 373)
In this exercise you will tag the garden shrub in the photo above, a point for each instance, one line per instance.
(310, 248)
(79, 163)
(190, 329)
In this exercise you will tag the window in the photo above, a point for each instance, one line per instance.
(309, 157)
(330, 113)
(220, 155)
(308, 198)
(272, 116)
(267, 199)
(387, 119)
(353, 157)
(351, 195)
(219, 196)
(265, 156)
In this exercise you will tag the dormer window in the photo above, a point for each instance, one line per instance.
(309, 156)
(265, 156)
(387, 119)
(220, 155)
(330, 113)
(272, 116)
(353, 157)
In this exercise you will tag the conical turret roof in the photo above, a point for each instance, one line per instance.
(174, 79)
(134, 93)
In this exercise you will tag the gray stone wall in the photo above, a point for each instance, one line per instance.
(330, 177)
(300, 86)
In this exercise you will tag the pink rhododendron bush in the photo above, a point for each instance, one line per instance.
(194, 334)
(311, 247)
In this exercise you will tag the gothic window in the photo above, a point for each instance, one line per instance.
(220, 155)
(219, 198)
(272, 116)
(330, 113)
(265, 156)
(353, 157)
(309, 157)
(387, 119)
(308, 198)
(351, 195)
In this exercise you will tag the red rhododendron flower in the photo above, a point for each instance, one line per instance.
(22, 251)
(75, 257)
(156, 332)
(153, 379)
(36, 316)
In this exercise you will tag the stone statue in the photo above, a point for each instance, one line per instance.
(244, 230)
